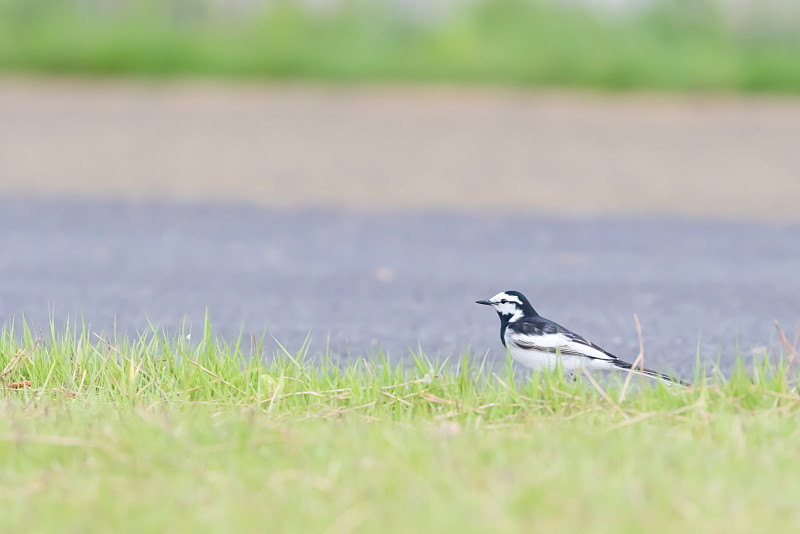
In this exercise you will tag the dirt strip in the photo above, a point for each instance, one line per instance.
(569, 154)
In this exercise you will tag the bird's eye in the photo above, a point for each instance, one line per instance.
(504, 301)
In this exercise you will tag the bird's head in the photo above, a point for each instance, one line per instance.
(509, 305)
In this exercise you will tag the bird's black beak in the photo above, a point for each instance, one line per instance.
(484, 302)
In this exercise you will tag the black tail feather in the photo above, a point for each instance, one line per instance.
(649, 372)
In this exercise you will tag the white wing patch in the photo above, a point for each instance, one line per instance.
(588, 351)
(557, 343)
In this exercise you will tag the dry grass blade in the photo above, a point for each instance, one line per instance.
(495, 404)
(132, 364)
(359, 407)
(647, 415)
(505, 386)
(423, 380)
(602, 392)
(562, 393)
(142, 388)
(274, 397)
(632, 421)
(789, 349)
(220, 379)
(61, 441)
(398, 399)
(430, 397)
(83, 380)
(12, 364)
(500, 381)
(639, 361)
(61, 391)
(786, 396)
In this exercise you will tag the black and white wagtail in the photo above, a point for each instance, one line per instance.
(539, 343)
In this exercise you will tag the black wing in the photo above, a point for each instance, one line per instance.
(538, 333)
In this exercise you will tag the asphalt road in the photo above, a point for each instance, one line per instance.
(399, 280)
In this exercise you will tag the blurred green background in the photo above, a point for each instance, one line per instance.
(683, 45)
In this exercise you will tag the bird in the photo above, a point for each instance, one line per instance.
(538, 343)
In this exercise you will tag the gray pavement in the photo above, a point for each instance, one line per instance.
(399, 279)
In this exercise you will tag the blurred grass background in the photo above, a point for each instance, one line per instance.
(684, 45)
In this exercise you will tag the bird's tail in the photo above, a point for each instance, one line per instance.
(652, 374)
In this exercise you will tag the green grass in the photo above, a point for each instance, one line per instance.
(669, 45)
(162, 434)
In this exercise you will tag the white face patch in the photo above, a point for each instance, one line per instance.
(506, 304)
(500, 297)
